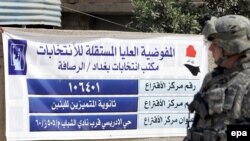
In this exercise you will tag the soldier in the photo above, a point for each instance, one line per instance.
(224, 97)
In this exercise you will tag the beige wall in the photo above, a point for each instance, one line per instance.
(76, 32)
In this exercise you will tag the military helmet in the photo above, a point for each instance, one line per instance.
(231, 31)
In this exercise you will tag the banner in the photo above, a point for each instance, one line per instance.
(85, 87)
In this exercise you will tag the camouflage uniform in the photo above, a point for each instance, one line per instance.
(224, 97)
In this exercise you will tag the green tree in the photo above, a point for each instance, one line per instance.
(181, 16)
(170, 16)
(225, 7)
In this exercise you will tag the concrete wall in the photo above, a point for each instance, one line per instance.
(73, 32)
(119, 11)
(76, 21)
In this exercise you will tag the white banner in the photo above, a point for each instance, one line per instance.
(73, 87)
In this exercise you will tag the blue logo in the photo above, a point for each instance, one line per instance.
(17, 58)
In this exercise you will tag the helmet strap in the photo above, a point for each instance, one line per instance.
(222, 58)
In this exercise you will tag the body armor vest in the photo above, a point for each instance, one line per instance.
(223, 99)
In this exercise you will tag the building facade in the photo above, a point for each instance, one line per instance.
(118, 11)
(75, 14)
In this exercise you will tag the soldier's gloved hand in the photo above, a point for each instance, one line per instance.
(191, 107)
(199, 106)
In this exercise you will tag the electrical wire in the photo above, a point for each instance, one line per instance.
(87, 14)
